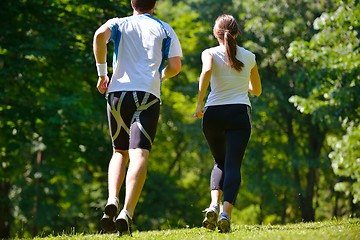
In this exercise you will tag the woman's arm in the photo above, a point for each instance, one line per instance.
(255, 82)
(204, 81)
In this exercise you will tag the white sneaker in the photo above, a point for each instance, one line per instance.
(124, 222)
(224, 223)
(211, 216)
(107, 221)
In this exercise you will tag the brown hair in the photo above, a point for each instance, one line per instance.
(226, 30)
(143, 5)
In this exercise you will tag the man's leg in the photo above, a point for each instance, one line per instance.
(117, 171)
(116, 175)
(135, 178)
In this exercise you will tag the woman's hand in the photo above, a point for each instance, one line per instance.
(199, 113)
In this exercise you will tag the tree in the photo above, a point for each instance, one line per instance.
(54, 140)
(289, 146)
(332, 55)
(48, 105)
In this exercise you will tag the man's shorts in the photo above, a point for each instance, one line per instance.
(133, 117)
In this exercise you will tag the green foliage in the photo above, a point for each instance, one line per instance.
(55, 145)
(345, 161)
(172, 204)
(283, 152)
(332, 56)
(49, 114)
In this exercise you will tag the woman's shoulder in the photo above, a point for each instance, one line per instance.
(244, 50)
(213, 50)
(246, 53)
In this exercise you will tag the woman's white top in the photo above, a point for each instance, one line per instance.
(227, 85)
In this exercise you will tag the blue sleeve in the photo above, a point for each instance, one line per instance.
(113, 25)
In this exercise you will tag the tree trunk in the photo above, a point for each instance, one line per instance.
(179, 151)
(283, 212)
(316, 140)
(35, 209)
(306, 194)
(5, 206)
(336, 204)
(299, 190)
(294, 164)
(308, 211)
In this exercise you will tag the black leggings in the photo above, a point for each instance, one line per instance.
(227, 129)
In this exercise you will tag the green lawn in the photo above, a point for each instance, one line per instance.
(334, 229)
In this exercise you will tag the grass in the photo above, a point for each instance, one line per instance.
(332, 229)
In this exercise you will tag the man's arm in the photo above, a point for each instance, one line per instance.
(101, 37)
(172, 69)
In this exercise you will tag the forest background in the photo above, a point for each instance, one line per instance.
(303, 159)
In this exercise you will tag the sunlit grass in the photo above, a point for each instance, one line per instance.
(334, 229)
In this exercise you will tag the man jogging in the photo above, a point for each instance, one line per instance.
(142, 46)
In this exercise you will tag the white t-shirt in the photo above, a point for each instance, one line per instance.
(229, 86)
(141, 45)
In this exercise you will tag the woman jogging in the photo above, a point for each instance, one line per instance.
(142, 44)
(232, 73)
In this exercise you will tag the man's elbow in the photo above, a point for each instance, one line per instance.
(257, 92)
(99, 36)
(102, 34)
(177, 68)
(174, 66)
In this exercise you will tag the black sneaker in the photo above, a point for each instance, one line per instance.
(107, 222)
(123, 223)
(211, 216)
(224, 223)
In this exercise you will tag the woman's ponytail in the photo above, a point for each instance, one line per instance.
(231, 46)
(226, 30)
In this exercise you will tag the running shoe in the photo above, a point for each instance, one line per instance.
(224, 223)
(211, 216)
(123, 223)
(107, 222)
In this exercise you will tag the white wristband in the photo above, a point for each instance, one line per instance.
(101, 69)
